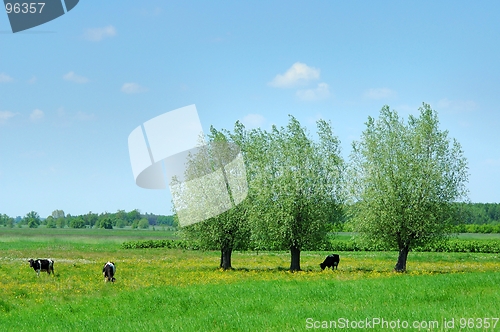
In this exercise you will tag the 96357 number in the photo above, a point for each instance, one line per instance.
(478, 323)
(24, 8)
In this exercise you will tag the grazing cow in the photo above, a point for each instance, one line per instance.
(42, 265)
(331, 261)
(108, 271)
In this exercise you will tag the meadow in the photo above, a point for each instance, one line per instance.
(183, 290)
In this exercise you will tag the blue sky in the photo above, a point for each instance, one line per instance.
(73, 89)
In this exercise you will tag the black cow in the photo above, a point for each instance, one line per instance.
(108, 271)
(331, 261)
(42, 265)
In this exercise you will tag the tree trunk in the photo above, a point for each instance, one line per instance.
(295, 263)
(403, 256)
(225, 258)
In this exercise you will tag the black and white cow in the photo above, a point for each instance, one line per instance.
(42, 265)
(331, 261)
(108, 271)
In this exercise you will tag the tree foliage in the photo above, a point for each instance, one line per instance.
(227, 227)
(295, 185)
(106, 222)
(32, 219)
(143, 223)
(405, 177)
(480, 213)
(61, 222)
(4, 219)
(76, 222)
(50, 222)
(58, 214)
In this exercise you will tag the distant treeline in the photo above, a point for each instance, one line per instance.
(120, 219)
(472, 218)
(480, 213)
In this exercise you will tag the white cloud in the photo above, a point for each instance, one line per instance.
(72, 77)
(6, 115)
(299, 73)
(457, 105)
(253, 121)
(4, 78)
(379, 93)
(133, 88)
(36, 115)
(32, 80)
(98, 34)
(322, 91)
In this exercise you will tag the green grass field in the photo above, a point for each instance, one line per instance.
(175, 290)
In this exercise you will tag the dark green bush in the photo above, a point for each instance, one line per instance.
(483, 246)
(169, 244)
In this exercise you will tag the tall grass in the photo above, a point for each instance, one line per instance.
(259, 305)
(176, 290)
(81, 239)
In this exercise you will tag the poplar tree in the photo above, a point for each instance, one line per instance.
(405, 178)
(295, 185)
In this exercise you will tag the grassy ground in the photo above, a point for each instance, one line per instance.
(78, 238)
(479, 236)
(175, 290)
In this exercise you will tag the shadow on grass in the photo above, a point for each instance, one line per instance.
(277, 269)
(346, 270)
